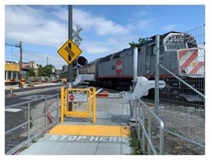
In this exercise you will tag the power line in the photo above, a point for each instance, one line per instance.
(14, 45)
(21, 53)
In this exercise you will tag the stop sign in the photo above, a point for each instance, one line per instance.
(71, 97)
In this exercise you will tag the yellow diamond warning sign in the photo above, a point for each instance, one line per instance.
(69, 51)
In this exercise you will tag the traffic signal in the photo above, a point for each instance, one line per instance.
(82, 60)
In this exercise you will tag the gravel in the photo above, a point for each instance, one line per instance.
(187, 122)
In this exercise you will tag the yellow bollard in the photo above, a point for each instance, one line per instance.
(94, 105)
(11, 89)
(62, 104)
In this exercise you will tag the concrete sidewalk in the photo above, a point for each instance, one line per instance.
(110, 135)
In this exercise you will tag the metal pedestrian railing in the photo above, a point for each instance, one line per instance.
(149, 128)
(25, 122)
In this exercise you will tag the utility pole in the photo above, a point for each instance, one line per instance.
(21, 58)
(47, 60)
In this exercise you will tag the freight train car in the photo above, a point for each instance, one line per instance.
(179, 53)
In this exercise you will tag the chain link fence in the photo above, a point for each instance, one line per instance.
(182, 103)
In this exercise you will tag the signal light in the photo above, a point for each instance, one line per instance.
(82, 60)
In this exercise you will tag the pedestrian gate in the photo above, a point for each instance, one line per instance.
(78, 102)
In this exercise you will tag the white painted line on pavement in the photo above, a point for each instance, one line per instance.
(12, 110)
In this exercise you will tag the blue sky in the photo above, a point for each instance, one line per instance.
(43, 29)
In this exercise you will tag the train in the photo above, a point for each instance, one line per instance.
(179, 53)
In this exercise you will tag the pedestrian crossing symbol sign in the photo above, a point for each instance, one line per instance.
(69, 51)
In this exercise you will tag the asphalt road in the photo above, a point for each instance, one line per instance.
(31, 94)
(30, 88)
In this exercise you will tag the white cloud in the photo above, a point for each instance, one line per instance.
(95, 47)
(145, 23)
(170, 27)
(101, 25)
(32, 25)
(48, 26)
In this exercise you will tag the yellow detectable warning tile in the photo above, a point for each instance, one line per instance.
(91, 130)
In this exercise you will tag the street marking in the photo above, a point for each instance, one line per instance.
(76, 138)
(12, 110)
(91, 130)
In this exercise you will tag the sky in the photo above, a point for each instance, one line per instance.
(106, 29)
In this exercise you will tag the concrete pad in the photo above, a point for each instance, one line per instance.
(79, 136)
(79, 145)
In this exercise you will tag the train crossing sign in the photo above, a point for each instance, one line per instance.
(69, 51)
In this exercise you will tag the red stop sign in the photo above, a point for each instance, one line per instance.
(71, 97)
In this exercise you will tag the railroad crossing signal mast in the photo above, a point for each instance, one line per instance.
(77, 39)
(70, 66)
(73, 51)
(70, 51)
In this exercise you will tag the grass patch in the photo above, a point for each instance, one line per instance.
(135, 144)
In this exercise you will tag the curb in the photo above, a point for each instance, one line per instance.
(103, 94)
(31, 91)
(49, 115)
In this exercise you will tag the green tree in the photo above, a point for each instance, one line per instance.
(40, 70)
(132, 44)
(140, 41)
(47, 70)
(31, 72)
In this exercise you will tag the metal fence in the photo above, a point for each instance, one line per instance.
(25, 122)
(199, 34)
(183, 108)
(146, 124)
